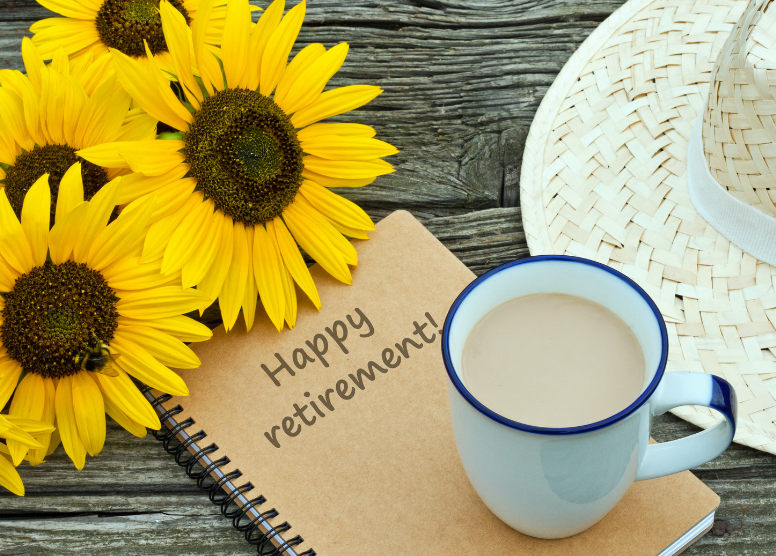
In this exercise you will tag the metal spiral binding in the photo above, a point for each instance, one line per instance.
(223, 492)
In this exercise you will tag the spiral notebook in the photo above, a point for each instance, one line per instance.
(334, 438)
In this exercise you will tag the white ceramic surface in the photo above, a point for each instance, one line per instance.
(554, 483)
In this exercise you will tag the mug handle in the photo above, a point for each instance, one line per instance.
(690, 388)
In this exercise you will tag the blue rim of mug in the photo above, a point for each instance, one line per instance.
(547, 430)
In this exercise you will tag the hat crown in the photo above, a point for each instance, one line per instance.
(739, 122)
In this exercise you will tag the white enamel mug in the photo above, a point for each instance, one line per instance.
(557, 482)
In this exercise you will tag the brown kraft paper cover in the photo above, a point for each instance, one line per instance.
(370, 466)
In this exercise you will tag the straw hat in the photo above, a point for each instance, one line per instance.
(631, 145)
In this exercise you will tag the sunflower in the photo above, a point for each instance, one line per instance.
(81, 314)
(258, 163)
(52, 112)
(20, 431)
(90, 28)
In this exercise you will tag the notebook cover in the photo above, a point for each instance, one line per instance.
(379, 473)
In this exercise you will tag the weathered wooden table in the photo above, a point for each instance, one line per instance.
(462, 81)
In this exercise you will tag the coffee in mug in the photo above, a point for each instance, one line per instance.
(553, 360)
(528, 434)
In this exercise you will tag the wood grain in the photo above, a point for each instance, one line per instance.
(462, 82)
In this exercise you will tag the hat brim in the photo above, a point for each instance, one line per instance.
(603, 177)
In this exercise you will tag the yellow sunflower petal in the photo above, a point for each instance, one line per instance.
(335, 207)
(81, 63)
(34, 426)
(201, 261)
(213, 281)
(89, 412)
(71, 34)
(65, 233)
(123, 393)
(176, 33)
(42, 429)
(13, 242)
(275, 56)
(335, 102)
(293, 260)
(8, 276)
(153, 158)
(233, 290)
(105, 155)
(234, 44)
(348, 169)
(97, 72)
(69, 8)
(10, 371)
(9, 150)
(344, 130)
(56, 440)
(309, 55)
(29, 398)
(334, 147)
(309, 85)
(31, 102)
(71, 191)
(250, 298)
(261, 33)
(142, 86)
(132, 427)
(135, 186)
(102, 115)
(60, 62)
(186, 240)
(289, 293)
(66, 422)
(122, 237)
(266, 270)
(315, 244)
(12, 114)
(9, 477)
(100, 208)
(173, 196)
(19, 442)
(160, 303)
(15, 81)
(129, 273)
(199, 28)
(75, 102)
(324, 229)
(28, 403)
(168, 350)
(53, 105)
(93, 5)
(356, 233)
(163, 87)
(33, 63)
(136, 361)
(141, 127)
(181, 327)
(160, 232)
(36, 215)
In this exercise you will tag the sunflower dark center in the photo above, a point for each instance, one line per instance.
(244, 154)
(125, 24)
(54, 160)
(54, 314)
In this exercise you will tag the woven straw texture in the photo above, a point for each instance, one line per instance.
(738, 125)
(603, 177)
